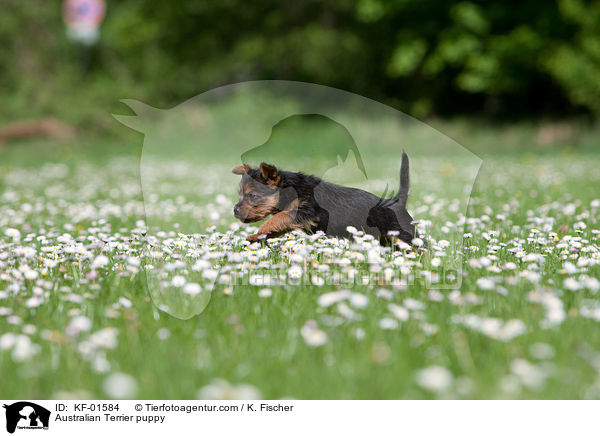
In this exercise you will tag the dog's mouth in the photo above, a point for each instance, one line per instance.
(248, 220)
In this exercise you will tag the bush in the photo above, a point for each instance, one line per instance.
(443, 57)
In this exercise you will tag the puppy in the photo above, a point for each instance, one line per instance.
(300, 201)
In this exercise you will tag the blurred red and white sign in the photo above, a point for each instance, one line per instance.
(83, 19)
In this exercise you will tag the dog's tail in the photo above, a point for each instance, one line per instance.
(402, 194)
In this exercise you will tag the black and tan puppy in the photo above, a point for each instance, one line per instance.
(300, 201)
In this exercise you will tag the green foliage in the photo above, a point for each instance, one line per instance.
(576, 64)
(407, 57)
(442, 57)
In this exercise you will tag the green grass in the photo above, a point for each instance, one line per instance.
(246, 339)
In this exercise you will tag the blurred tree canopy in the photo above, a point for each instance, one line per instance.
(442, 57)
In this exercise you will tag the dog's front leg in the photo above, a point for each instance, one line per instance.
(277, 225)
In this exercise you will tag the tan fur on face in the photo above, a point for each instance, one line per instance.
(265, 209)
(265, 206)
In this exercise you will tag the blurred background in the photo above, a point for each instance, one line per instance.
(530, 69)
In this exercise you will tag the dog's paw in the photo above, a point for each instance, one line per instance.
(255, 237)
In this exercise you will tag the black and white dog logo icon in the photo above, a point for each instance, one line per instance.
(26, 415)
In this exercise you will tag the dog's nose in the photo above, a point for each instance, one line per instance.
(236, 209)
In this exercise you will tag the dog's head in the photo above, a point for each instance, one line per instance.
(258, 192)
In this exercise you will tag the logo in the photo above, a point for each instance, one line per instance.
(26, 415)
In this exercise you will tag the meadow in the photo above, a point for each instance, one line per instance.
(103, 295)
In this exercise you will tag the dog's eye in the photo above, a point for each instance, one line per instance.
(250, 197)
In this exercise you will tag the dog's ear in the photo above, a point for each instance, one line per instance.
(242, 169)
(270, 174)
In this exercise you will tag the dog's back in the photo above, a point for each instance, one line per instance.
(360, 209)
(345, 207)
